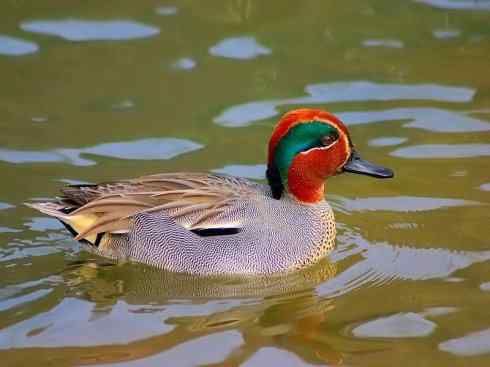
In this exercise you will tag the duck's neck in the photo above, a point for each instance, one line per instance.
(305, 186)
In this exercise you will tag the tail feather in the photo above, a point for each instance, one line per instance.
(75, 224)
(51, 208)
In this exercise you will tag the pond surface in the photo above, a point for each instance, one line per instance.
(95, 91)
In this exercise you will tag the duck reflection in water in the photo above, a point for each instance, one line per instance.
(281, 311)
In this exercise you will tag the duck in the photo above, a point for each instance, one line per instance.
(216, 224)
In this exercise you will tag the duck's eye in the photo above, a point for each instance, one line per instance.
(329, 139)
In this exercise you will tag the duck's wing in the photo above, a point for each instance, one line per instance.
(199, 202)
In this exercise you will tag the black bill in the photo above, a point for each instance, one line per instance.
(356, 164)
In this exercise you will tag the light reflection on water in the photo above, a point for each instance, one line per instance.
(387, 141)
(242, 48)
(432, 119)
(246, 114)
(5, 206)
(431, 151)
(458, 4)
(16, 47)
(472, 344)
(91, 30)
(162, 148)
(400, 203)
(166, 10)
(446, 33)
(254, 172)
(390, 43)
(485, 187)
(402, 325)
(185, 63)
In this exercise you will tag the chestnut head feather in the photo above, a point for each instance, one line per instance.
(306, 147)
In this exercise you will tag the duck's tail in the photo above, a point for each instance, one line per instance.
(52, 209)
(75, 224)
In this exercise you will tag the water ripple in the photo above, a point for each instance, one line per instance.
(274, 356)
(5, 206)
(458, 4)
(389, 43)
(485, 286)
(9, 230)
(400, 203)
(432, 119)
(247, 113)
(401, 325)
(166, 10)
(16, 47)
(431, 151)
(256, 171)
(446, 33)
(120, 324)
(195, 352)
(485, 187)
(243, 48)
(145, 149)
(382, 262)
(472, 344)
(17, 301)
(91, 30)
(185, 63)
(387, 141)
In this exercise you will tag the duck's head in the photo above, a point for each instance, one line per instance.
(308, 146)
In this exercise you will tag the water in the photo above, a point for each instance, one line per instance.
(94, 93)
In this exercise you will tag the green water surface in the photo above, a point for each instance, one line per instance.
(103, 90)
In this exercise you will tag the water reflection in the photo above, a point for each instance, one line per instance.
(246, 114)
(381, 262)
(39, 119)
(19, 300)
(432, 119)
(387, 141)
(472, 344)
(196, 352)
(431, 151)
(9, 230)
(166, 10)
(446, 33)
(5, 206)
(185, 63)
(146, 285)
(401, 325)
(485, 187)
(272, 356)
(485, 286)
(91, 30)
(403, 204)
(243, 48)
(145, 149)
(126, 104)
(12, 46)
(458, 4)
(445, 270)
(389, 43)
(254, 172)
(43, 224)
(139, 307)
